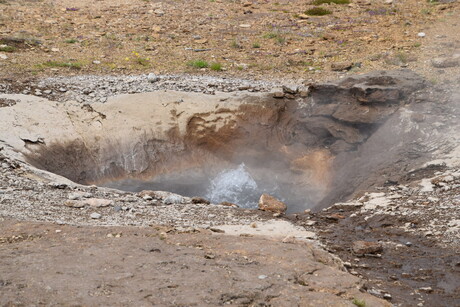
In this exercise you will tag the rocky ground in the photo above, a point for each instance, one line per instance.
(255, 39)
(400, 238)
(395, 242)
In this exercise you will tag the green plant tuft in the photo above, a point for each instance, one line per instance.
(198, 64)
(216, 66)
(359, 303)
(7, 49)
(75, 65)
(318, 11)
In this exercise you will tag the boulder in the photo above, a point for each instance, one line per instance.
(271, 204)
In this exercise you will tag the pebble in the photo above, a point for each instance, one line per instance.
(262, 276)
(151, 77)
(387, 296)
(3, 56)
(426, 289)
(421, 34)
(95, 215)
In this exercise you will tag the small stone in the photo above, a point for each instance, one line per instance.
(387, 296)
(98, 202)
(62, 89)
(228, 204)
(271, 204)
(3, 56)
(47, 92)
(262, 276)
(54, 49)
(58, 231)
(421, 34)
(209, 256)
(290, 89)
(96, 62)
(341, 66)
(278, 95)
(245, 26)
(445, 62)
(200, 200)
(159, 12)
(366, 247)
(174, 199)
(303, 16)
(95, 215)
(151, 77)
(426, 289)
(74, 204)
(289, 239)
(147, 197)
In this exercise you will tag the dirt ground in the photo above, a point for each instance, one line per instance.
(251, 39)
(127, 266)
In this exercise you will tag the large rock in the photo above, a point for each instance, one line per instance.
(271, 204)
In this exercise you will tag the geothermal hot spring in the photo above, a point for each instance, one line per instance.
(306, 150)
(224, 148)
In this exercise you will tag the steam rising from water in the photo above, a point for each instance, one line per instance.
(234, 185)
(239, 187)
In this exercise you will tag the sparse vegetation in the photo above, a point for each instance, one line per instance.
(235, 44)
(7, 49)
(280, 39)
(319, 2)
(359, 303)
(142, 61)
(198, 64)
(216, 66)
(256, 45)
(317, 11)
(271, 35)
(71, 41)
(71, 65)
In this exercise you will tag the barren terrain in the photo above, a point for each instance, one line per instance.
(101, 90)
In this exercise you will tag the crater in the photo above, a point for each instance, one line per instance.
(228, 147)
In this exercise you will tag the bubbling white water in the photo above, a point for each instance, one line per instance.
(236, 186)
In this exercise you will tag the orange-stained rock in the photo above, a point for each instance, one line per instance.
(270, 203)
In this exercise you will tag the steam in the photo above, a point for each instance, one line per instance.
(235, 186)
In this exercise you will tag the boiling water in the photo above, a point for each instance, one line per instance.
(239, 185)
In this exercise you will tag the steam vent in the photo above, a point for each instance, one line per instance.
(230, 153)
